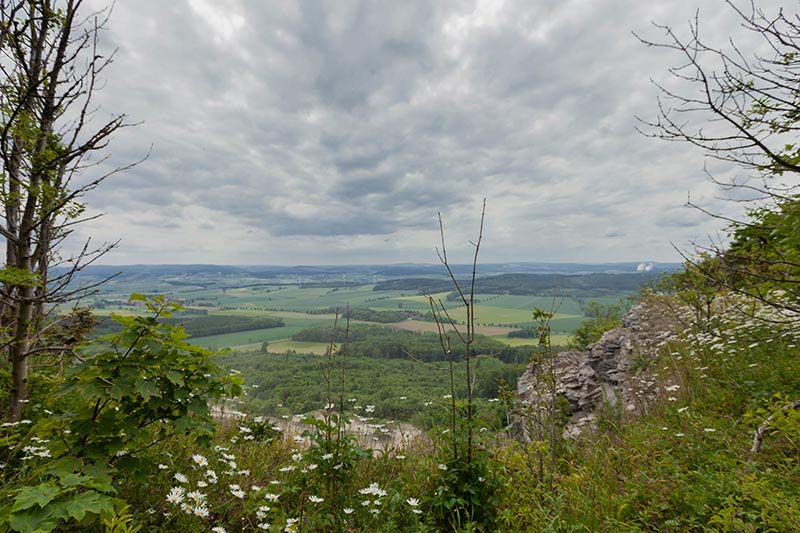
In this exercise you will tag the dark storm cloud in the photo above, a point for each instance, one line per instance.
(339, 126)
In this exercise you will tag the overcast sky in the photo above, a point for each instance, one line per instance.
(332, 132)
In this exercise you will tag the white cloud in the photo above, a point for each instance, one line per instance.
(332, 132)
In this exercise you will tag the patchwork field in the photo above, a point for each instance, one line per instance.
(294, 297)
(302, 306)
(242, 338)
(419, 326)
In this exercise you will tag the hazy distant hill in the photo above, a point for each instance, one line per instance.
(180, 274)
(530, 284)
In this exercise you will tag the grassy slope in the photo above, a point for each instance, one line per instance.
(284, 345)
(555, 340)
(686, 464)
(240, 338)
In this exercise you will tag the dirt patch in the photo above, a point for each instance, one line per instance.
(371, 434)
(380, 437)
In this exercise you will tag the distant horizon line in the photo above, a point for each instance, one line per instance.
(587, 263)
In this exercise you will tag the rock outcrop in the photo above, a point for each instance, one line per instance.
(606, 374)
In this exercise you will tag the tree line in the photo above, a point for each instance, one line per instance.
(365, 314)
(203, 325)
(531, 284)
(379, 342)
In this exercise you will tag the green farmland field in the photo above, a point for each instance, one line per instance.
(555, 340)
(298, 307)
(240, 338)
(284, 345)
(296, 298)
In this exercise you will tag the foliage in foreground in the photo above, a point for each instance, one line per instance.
(101, 420)
(686, 464)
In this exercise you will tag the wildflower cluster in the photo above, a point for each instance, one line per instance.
(309, 482)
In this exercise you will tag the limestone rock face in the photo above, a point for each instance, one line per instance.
(604, 374)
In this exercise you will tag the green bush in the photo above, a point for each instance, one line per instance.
(145, 386)
(601, 319)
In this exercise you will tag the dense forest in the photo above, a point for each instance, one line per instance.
(397, 388)
(201, 326)
(385, 343)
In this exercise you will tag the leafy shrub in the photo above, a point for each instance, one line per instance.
(145, 386)
(601, 319)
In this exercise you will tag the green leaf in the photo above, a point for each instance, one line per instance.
(18, 276)
(40, 495)
(175, 377)
(88, 502)
(147, 389)
(36, 520)
(71, 479)
(116, 392)
(198, 406)
(183, 423)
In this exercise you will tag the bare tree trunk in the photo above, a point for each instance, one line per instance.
(758, 436)
(50, 71)
(18, 354)
(19, 385)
